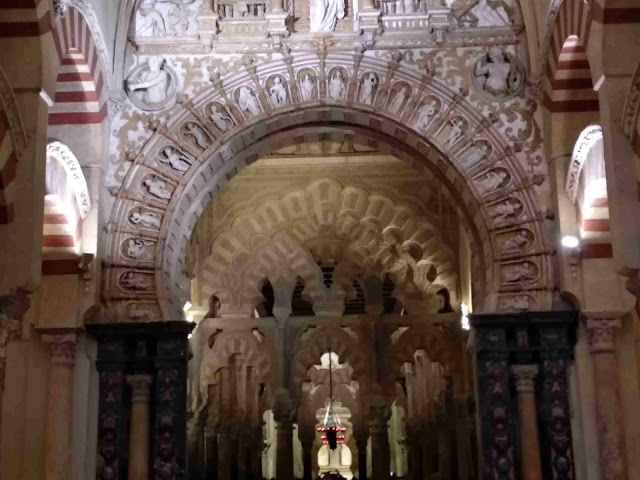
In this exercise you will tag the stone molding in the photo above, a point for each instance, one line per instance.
(601, 334)
(140, 387)
(63, 348)
(524, 377)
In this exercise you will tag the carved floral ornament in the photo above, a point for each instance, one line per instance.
(214, 141)
(63, 155)
(587, 139)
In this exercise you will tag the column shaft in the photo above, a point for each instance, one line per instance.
(284, 452)
(524, 377)
(139, 427)
(307, 461)
(211, 454)
(224, 456)
(380, 460)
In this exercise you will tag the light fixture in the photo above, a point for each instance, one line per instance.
(189, 318)
(331, 429)
(570, 241)
(189, 336)
(464, 319)
(187, 306)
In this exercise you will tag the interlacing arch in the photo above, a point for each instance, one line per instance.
(168, 217)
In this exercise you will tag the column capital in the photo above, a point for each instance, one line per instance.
(601, 333)
(140, 387)
(63, 347)
(524, 377)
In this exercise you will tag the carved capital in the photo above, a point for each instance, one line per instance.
(140, 386)
(524, 377)
(63, 348)
(601, 334)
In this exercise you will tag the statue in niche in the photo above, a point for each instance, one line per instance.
(278, 93)
(179, 18)
(425, 115)
(153, 21)
(157, 188)
(195, 132)
(491, 182)
(457, 130)
(398, 100)
(306, 88)
(159, 18)
(176, 160)
(136, 248)
(504, 211)
(146, 219)
(474, 154)
(366, 90)
(496, 75)
(520, 272)
(336, 86)
(219, 119)
(136, 281)
(519, 302)
(516, 243)
(324, 14)
(248, 101)
(154, 80)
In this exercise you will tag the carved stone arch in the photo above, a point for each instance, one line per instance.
(309, 121)
(313, 347)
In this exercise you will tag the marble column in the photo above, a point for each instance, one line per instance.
(57, 437)
(361, 442)
(139, 427)
(380, 455)
(284, 450)
(524, 377)
(610, 421)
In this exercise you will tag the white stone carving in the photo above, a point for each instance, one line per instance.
(426, 114)
(491, 181)
(248, 102)
(152, 85)
(490, 13)
(497, 75)
(146, 219)
(160, 18)
(507, 210)
(474, 154)
(137, 281)
(157, 188)
(587, 139)
(518, 242)
(195, 132)
(519, 272)
(278, 93)
(324, 14)
(137, 248)
(337, 88)
(367, 88)
(307, 87)
(77, 182)
(458, 127)
(172, 157)
(220, 119)
(398, 100)
(60, 8)
(518, 303)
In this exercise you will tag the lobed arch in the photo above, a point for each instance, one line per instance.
(246, 138)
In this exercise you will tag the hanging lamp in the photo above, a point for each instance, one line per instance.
(331, 429)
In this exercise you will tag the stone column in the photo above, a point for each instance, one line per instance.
(284, 450)
(524, 378)
(306, 436)
(380, 460)
(211, 452)
(361, 436)
(610, 419)
(224, 453)
(139, 427)
(57, 437)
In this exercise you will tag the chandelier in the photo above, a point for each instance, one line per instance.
(331, 429)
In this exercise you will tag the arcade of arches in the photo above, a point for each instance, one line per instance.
(225, 223)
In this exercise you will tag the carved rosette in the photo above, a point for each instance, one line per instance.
(524, 377)
(601, 334)
(63, 348)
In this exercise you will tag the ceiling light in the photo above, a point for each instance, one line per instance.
(189, 336)
(464, 319)
(570, 241)
(187, 306)
(189, 318)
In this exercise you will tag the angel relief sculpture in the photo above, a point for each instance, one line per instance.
(497, 75)
(324, 14)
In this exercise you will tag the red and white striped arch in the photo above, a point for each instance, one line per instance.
(568, 84)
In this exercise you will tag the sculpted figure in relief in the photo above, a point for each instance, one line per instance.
(496, 75)
(504, 210)
(425, 114)
(490, 182)
(324, 14)
(136, 281)
(474, 154)
(195, 132)
(366, 91)
(456, 132)
(248, 102)
(172, 157)
(157, 188)
(519, 302)
(153, 23)
(306, 88)
(520, 272)
(154, 80)
(278, 93)
(398, 100)
(146, 219)
(220, 120)
(336, 86)
(519, 241)
(137, 249)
